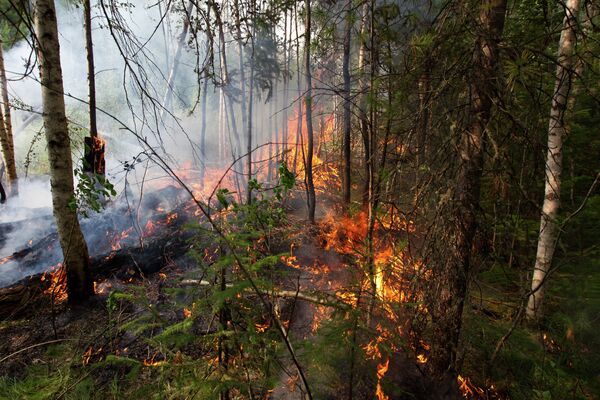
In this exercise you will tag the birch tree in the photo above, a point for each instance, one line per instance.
(6, 135)
(74, 248)
(556, 132)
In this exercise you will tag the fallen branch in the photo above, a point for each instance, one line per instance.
(292, 294)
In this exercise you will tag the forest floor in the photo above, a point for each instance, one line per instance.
(48, 348)
(54, 351)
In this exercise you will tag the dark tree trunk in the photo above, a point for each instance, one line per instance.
(308, 100)
(87, 23)
(346, 177)
(452, 277)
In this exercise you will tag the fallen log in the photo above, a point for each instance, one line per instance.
(167, 242)
(123, 264)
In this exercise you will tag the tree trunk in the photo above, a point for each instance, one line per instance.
(299, 135)
(310, 187)
(362, 101)
(203, 127)
(249, 137)
(452, 277)
(175, 66)
(238, 25)
(6, 135)
(286, 83)
(556, 132)
(76, 259)
(346, 183)
(89, 47)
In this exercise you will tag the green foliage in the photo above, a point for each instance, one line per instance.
(552, 360)
(91, 192)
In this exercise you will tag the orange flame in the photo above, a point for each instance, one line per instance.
(58, 283)
(382, 369)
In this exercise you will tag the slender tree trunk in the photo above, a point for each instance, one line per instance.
(452, 277)
(76, 259)
(556, 132)
(362, 100)
(94, 146)
(203, 127)
(175, 66)
(238, 27)
(249, 137)
(284, 101)
(346, 177)
(299, 134)
(89, 47)
(424, 87)
(222, 126)
(6, 135)
(308, 100)
(210, 51)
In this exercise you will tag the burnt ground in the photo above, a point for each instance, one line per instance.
(43, 323)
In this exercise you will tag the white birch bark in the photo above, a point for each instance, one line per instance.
(6, 135)
(556, 132)
(74, 248)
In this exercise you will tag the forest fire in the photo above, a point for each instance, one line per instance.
(309, 199)
(57, 286)
(116, 240)
(326, 174)
(468, 390)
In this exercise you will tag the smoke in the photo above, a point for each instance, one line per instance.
(130, 118)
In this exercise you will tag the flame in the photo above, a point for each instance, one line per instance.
(325, 173)
(170, 218)
(321, 313)
(149, 228)
(382, 369)
(57, 288)
(260, 328)
(87, 355)
(116, 240)
(102, 287)
(468, 389)
(7, 259)
(152, 363)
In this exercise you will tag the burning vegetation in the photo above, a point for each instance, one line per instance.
(298, 200)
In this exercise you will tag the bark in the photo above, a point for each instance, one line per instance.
(556, 132)
(225, 82)
(203, 127)
(362, 101)
(424, 88)
(210, 41)
(249, 137)
(310, 187)
(452, 277)
(299, 135)
(74, 248)
(346, 183)
(89, 47)
(286, 84)
(238, 24)
(6, 134)
(175, 66)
